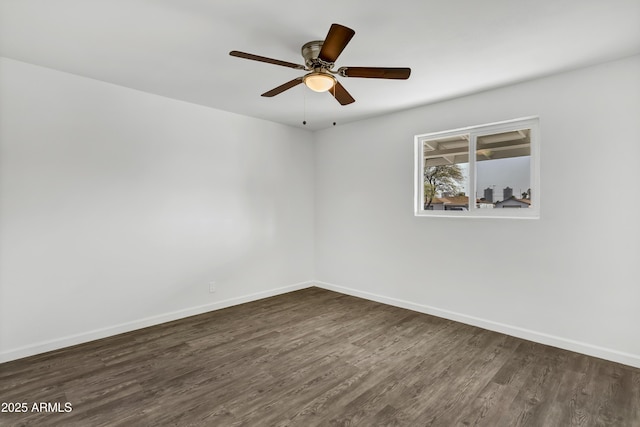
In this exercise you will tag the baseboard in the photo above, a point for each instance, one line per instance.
(527, 334)
(542, 338)
(67, 341)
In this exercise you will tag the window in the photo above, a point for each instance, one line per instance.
(480, 171)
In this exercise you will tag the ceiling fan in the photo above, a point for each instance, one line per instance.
(320, 57)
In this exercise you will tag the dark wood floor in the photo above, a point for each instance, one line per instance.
(315, 357)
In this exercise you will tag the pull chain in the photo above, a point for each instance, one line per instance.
(304, 107)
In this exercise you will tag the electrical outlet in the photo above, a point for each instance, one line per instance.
(212, 287)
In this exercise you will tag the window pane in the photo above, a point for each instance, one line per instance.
(446, 165)
(503, 170)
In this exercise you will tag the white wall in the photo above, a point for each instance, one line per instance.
(118, 207)
(571, 279)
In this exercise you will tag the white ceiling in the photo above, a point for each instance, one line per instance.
(179, 48)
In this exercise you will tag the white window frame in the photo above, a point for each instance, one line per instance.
(532, 212)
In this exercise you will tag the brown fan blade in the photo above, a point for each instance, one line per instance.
(335, 42)
(282, 88)
(376, 72)
(265, 59)
(341, 95)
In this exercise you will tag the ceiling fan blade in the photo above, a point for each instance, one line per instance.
(376, 72)
(282, 88)
(265, 59)
(335, 42)
(341, 95)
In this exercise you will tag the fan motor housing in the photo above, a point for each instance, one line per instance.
(310, 52)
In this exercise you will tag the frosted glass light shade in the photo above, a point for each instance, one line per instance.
(319, 82)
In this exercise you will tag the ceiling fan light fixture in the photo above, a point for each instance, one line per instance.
(319, 82)
(320, 57)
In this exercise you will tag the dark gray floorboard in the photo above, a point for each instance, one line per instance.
(319, 358)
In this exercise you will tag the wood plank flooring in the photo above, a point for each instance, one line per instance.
(319, 358)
